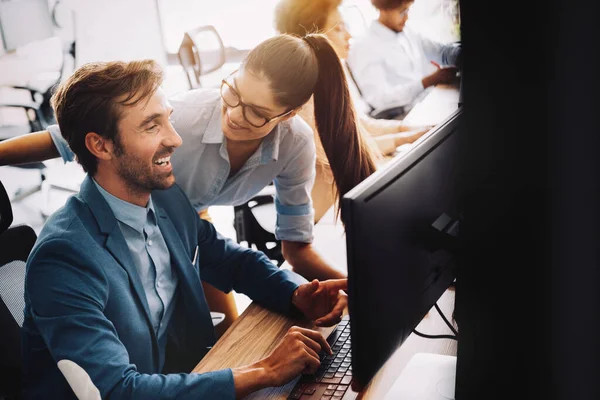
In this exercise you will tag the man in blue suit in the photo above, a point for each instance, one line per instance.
(113, 283)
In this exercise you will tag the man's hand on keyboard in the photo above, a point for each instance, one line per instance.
(297, 353)
(323, 301)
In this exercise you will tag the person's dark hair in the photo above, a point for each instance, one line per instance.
(389, 4)
(298, 68)
(301, 17)
(91, 100)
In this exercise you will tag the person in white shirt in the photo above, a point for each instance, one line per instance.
(393, 65)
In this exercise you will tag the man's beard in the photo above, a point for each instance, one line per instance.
(139, 176)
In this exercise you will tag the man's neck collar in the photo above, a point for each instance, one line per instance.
(116, 187)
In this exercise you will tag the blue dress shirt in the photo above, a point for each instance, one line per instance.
(151, 258)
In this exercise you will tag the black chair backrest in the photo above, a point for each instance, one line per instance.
(6, 215)
(15, 245)
(249, 230)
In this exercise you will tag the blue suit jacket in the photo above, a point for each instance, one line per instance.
(85, 302)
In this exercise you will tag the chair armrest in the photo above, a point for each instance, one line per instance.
(25, 105)
(32, 91)
(387, 113)
(35, 123)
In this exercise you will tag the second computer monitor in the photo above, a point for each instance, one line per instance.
(401, 226)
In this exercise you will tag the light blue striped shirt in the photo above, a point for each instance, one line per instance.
(201, 164)
(151, 258)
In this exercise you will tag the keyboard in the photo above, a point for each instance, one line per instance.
(333, 378)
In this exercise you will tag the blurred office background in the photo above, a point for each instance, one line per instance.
(43, 41)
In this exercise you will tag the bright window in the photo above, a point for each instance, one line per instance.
(245, 23)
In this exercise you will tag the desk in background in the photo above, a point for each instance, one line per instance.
(441, 101)
(257, 331)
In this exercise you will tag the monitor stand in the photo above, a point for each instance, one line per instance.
(426, 377)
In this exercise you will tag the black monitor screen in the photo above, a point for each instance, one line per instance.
(401, 226)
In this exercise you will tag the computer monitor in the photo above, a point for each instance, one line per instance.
(401, 226)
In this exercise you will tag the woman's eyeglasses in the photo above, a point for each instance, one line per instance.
(231, 98)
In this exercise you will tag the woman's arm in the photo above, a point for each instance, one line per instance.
(34, 147)
(378, 127)
(389, 134)
(388, 143)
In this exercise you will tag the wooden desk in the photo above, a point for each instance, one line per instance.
(257, 331)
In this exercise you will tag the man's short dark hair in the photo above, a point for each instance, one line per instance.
(389, 4)
(91, 100)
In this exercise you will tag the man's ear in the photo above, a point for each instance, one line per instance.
(99, 146)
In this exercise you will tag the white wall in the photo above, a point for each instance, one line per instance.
(118, 30)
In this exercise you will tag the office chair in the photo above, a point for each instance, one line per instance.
(377, 113)
(249, 229)
(15, 245)
(39, 115)
(201, 51)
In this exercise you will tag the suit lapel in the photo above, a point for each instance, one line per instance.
(189, 280)
(116, 245)
(115, 242)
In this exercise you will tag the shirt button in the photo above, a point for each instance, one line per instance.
(150, 242)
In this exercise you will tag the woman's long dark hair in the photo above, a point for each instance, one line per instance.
(298, 68)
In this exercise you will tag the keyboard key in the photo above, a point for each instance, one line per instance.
(328, 392)
(333, 337)
(346, 380)
(325, 397)
(339, 374)
(345, 364)
(328, 375)
(296, 393)
(336, 398)
(332, 387)
(340, 393)
(310, 389)
(331, 380)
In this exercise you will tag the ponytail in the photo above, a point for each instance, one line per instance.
(348, 153)
(298, 68)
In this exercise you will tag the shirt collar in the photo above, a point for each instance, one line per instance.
(270, 146)
(214, 133)
(127, 213)
(383, 31)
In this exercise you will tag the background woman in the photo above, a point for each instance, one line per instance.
(299, 17)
